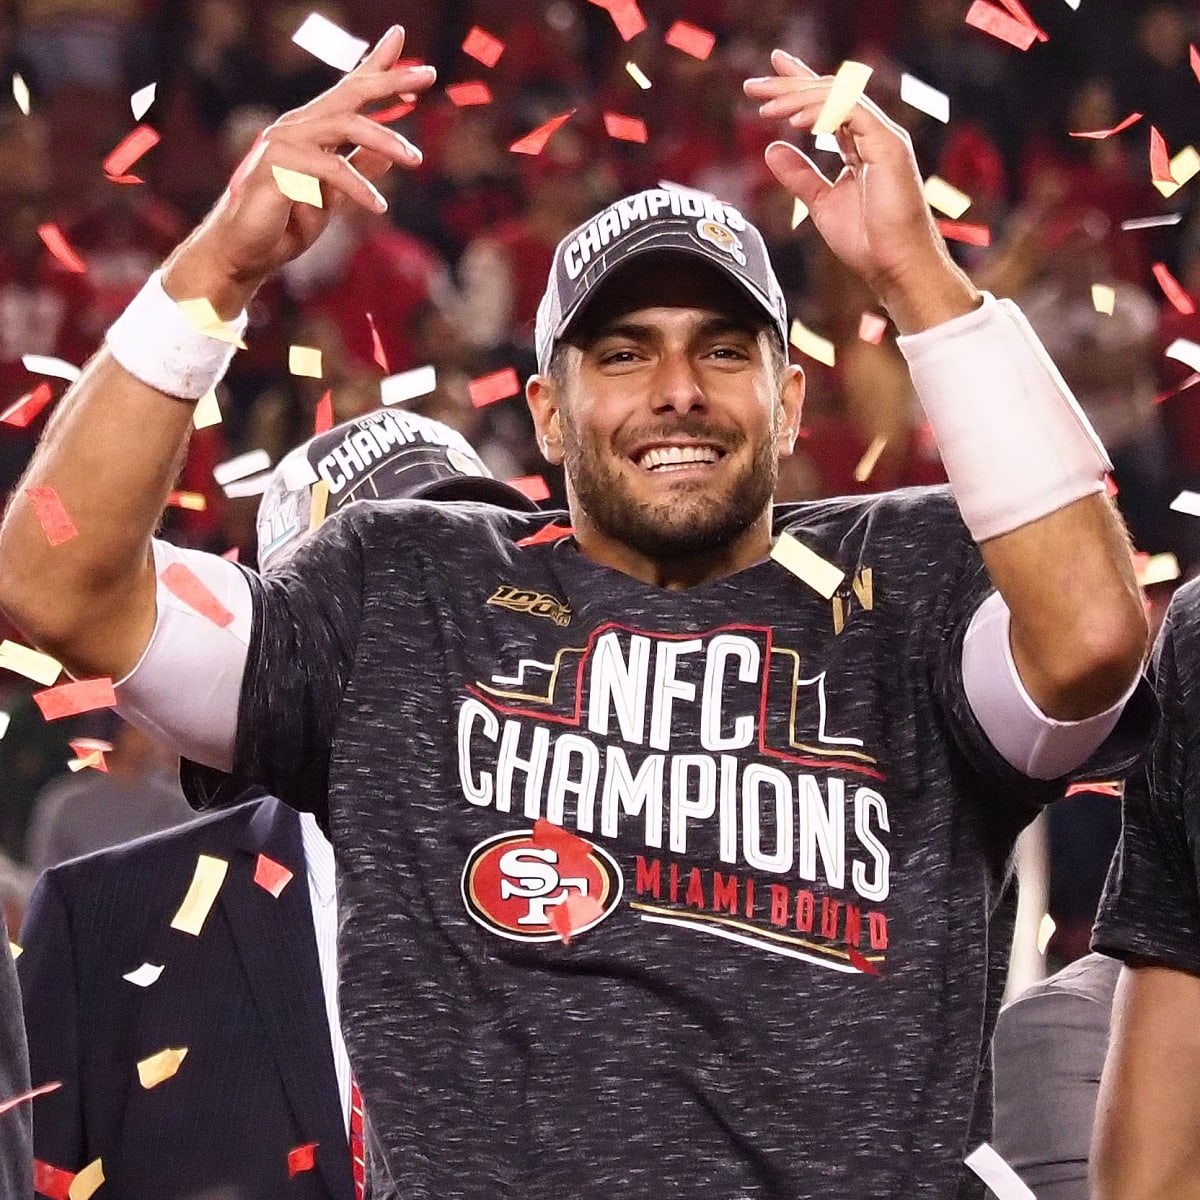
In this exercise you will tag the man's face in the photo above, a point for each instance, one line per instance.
(670, 413)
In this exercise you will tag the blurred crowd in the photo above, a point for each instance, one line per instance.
(451, 275)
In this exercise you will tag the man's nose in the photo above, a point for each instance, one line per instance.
(677, 384)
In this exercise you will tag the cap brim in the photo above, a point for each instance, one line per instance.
(476, 487)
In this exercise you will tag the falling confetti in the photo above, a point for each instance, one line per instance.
(482, 46)
(535, 141)
(1173, 290)
(925, 98)
(625, 129)
(183, 583)
(205, 319)
(271, 876)
(1184, 351)
(691, 39)
(47, 364)
(299, 187)
(799, 212)
(1045, 932)
(33, 1093)
(1134, 223)
(160, 1067)
(1188, 503)
(241, 466)
(868, 462)
(50, 1181)
(872, 327)
(945, 197)
(1101, 134)
(626, 16)
(86, 1181)
(33, 664)
(637, 75)
(145, 975)
(206, 883)
(575, 915)
(488, 389)
(329, 42)
(812, 344)
(21, 413)
(548, 533)
(848, 86)
(20, 91)
(990, 19)
(141, 100)
(207, 411)
(55, 241)
(808, 566)
(408, 385)
(318, 504)
(51, 515)
(305, 361)
(128, 150)
(1001, 1179)
(534, 487)
(68, 699)
(323, 419)
(860, 962)
(192, 501)
(377, 351)
(466, 95)
(962, 231)
(302, 1158)
(1104, 299)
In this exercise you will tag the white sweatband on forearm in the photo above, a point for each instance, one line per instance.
(186, 687)
(1036, 745)
(155, 342)
(1015, 443)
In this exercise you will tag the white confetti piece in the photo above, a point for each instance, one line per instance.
(47, 364)
(1185, 352)
(829, 143)
(15, 950)
(145, 975)
(240, 466)
(407, 385)
(1156, 568)
(1001, 1179)
(799, 212)
(1104, 299)
(1046, 928)
(33, 664)
(808, 566)
(5, 721)
(848, 86)
(20, 91)
(925, 97)
(637, 75)
(329, 42)
(206, 883)
(945, 197)
(298, 472)
(141, 100)
(1187, 503)
(1151, 222)
(252, 485)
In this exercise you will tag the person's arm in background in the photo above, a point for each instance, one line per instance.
(114, 445)
(1054, 547)
(1147, 1136)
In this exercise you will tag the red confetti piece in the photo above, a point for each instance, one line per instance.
(1101, 134)
(1018, 10)
(482, 46)
(301, 1159)
(535, 141)
(21, 412)
(964, 231)
(488, 389)
(233, 554)
(1160, 161)
(58, 245)
(547, 533)
(464, 95)
(184, 584)
(999, 24)
(51, 515)
(872, 327)
(625, 129)
(52, 1181)
(271, 876)
(14, 1101)
(129, 149)
(1110, 487)
(555, 837)
(323, 422)
(68, 699)
(859, 963)
(1194, 59)
(532, 486)
(626, 16)
(1096, 789)
(377, 351)
(1173, 290)
(691, 39)
(575, 914)
(386, 115)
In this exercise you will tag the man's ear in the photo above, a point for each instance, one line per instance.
(791, 403)
(541, 394)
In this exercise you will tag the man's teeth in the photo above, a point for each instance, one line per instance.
(674, 456)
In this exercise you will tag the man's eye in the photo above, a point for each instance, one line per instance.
(734, 352)
(616, 357)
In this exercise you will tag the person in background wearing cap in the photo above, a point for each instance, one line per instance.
(253, 998)
(672, 844)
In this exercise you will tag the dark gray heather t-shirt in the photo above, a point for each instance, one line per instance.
(783, 871)
(1150, 911)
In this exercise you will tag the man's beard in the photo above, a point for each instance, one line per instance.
(692, 522)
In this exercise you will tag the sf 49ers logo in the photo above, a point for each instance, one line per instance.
(512, 884)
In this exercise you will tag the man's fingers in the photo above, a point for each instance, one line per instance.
(789, 64)
(334, 172)
(798, 173)
(350, 129)
(385, 51)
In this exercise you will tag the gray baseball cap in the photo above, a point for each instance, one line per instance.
(386, 454)
(664, 218)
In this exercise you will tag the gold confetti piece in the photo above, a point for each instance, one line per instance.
(33, 664)
(86, 1181)
(206, 883)
(304, 360)
(20, 90)
(636, 74)
(1183, 166)
(946, 197)
(94, 758)
(799, 212)
(1104, 298)
(847, 90)
(1046, 928)
(158, 1068)
(192, 501)
(15, 950)
(295, 185)
(1150, 569)
(808, 566)
(812, 344)
(866, 464)
(320, 502)
(205, 319)
(207, 411)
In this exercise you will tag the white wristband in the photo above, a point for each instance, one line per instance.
(155, 342)
(1015, 443)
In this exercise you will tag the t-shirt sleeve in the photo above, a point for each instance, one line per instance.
(304, 634)
(1150, 910)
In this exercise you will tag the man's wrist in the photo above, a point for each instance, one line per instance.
(929, 294)
(196, 271)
